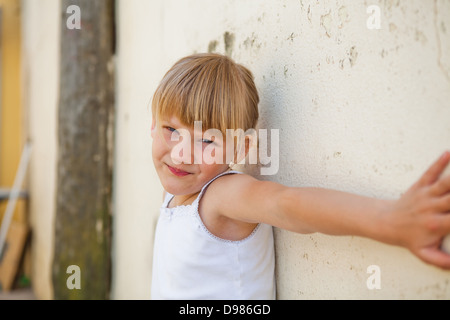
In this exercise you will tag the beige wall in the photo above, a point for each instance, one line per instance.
(137, 194)
(40, 63)
(358, 110)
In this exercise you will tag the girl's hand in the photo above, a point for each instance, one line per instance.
(421, 217)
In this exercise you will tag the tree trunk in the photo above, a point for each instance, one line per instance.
(85, 140)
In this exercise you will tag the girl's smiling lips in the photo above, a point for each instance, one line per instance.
(177, 172)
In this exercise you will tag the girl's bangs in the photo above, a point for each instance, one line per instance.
(209, 88)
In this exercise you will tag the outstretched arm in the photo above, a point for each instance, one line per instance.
(418, 220)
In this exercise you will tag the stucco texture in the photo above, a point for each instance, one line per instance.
(358, 109)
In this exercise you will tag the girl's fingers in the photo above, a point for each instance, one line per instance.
(435, 257)
(445, 222)
(441, 187)
(442, 204)
(437, 224)
(434, 171)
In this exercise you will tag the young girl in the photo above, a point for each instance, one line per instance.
(214, 235)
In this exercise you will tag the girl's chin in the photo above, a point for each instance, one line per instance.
(170, 188)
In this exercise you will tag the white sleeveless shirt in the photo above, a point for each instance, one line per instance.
(189, 262)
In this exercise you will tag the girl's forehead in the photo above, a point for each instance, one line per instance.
(176, 122)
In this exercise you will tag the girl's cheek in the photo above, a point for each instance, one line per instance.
(199, 152)
(172, 138)
(214, 153)
(167, 134)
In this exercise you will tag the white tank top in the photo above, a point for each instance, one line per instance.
(189, 262)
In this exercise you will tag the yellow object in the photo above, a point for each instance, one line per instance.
(11, 117)
(11, 124)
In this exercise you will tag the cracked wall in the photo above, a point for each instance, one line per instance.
(359, 109)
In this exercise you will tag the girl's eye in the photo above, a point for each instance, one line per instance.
(171, 129)
(207, 141)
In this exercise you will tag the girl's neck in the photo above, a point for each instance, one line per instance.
(182, 200)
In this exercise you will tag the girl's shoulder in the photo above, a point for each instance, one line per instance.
(243, 197)
(214, 212)
(227, 187)
(235, 180)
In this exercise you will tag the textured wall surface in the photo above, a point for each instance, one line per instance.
(358, 109)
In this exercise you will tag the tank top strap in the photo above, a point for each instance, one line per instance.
(167, 199)
(197, 200)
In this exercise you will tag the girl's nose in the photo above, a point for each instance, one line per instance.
(181, 152)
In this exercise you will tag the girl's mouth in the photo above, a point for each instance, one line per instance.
(178, 172)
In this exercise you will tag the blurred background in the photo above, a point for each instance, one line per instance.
(360, 91)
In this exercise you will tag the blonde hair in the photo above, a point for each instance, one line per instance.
(211, 88)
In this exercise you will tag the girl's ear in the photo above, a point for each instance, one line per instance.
(244, 149)
(153, 127)
(249, 141)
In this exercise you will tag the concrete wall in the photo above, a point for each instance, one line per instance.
(358, 109)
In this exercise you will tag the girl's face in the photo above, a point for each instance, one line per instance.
(183, 156)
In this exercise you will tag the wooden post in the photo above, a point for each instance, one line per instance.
(84, 173)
